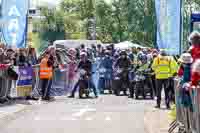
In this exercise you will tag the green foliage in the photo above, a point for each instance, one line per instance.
(172, 113)
(190, 6)
(120, 20)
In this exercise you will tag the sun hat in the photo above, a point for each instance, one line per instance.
(186, 58)
(194, 37)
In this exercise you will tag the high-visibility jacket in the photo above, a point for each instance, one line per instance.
(164, 67)
(173, 66)
(46, 72)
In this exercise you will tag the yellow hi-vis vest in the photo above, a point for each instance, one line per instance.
(163, 67)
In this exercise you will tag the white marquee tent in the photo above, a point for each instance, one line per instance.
(75, 43)
(126, 45)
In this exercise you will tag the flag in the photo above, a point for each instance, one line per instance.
(14, 16)
(168, 15)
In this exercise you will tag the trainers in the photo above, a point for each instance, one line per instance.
(157, 106)
(168, 107)
(34, 98)
(72, 96)
(48, 98)
(130, 97)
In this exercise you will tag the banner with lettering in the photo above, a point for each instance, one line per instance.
(168, 13)
(23, 86)
(14, 16)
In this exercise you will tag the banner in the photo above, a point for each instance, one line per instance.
(168, 13)
(14, 28)
(23, 86)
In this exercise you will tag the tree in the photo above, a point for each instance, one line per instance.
(48, 29)
(105, 21)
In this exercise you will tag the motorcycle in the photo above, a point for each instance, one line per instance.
(120, 81)
(143, 84)
(84, 84)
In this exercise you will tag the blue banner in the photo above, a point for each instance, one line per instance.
(14, 18)
(168, 13)
(25, 76)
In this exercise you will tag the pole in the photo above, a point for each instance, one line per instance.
(181, 25)
(27, 23)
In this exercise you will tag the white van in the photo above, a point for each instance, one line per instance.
(75, 43)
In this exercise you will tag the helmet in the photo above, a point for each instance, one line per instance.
(116, 55)
(72, 52)
(107, 52)
(83, 54)
(163, 52)
(140, 54)
(123, 52)
(143, 57)
(98, 45)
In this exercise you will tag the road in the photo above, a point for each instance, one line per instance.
(107, 114)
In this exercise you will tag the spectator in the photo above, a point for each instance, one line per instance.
(2, 56)
(32, 57)
(9, 57)
(46, 74)
(22, 59)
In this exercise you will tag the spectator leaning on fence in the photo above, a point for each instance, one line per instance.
(194, 39)
(46, 73)
(184, 73)
(32, 57)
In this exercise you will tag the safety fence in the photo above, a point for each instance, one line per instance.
(28, 81)
(187, 110)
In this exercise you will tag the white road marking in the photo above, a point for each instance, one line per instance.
(37, 118)
(73, 119)
(88, 119)
(108, 118)
(83, 111)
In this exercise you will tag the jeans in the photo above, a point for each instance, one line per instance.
(91, 85)
(101, 84)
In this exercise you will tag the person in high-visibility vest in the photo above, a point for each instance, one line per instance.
(46, 73)
(163, 68)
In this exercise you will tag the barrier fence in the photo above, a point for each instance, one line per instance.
(28, 82)
(187, 118)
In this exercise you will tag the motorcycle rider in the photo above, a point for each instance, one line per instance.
(86, 65)
(105, 81)
(124, 63)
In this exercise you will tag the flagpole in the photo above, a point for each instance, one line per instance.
(181, 25)
(27, 23)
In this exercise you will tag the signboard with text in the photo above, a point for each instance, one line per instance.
(14, 13)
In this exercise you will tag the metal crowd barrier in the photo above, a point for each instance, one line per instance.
(187, 119)
(4, 83)
(61, 85)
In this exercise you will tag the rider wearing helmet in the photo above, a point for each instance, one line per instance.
(106, 63)
(86, 65)
(124, 63)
